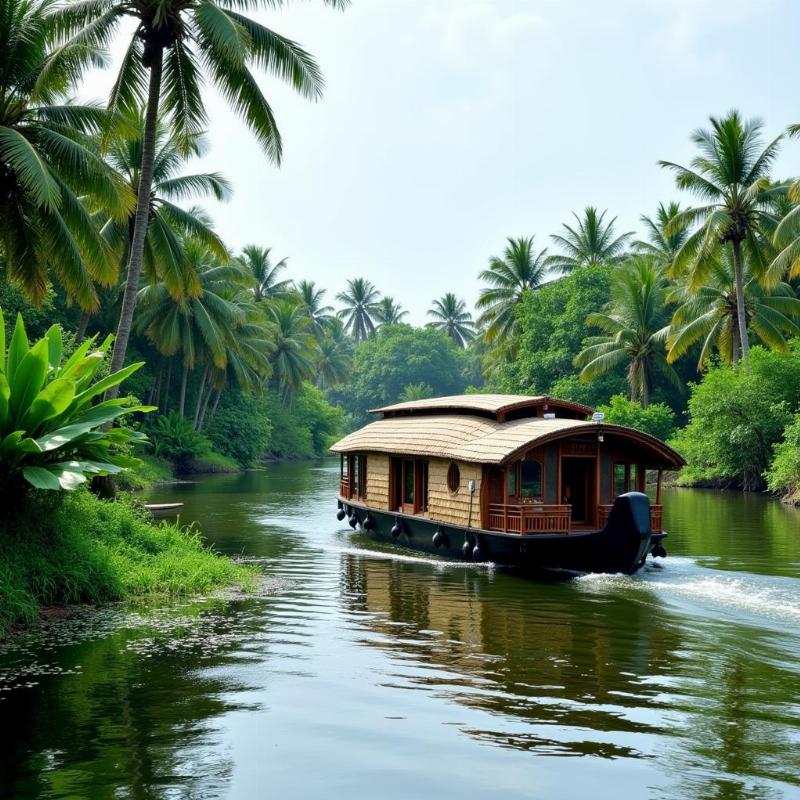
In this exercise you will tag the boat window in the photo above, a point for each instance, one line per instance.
(357, 476)
(633, 483)
(531, 479)
(453, 478)
(512, 479)
(408, 482)
(345, 467)
(422, 466)
(620, 479)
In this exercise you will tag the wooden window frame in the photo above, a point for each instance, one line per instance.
(517, 470)
(631, 484)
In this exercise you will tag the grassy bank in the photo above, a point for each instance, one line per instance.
(76, 548)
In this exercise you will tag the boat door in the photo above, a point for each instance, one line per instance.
(578, 488)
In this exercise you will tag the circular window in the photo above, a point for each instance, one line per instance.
(453, 478)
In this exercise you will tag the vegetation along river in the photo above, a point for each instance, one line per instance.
(375, 673)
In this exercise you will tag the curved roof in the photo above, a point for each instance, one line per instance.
(485, 441)
(491, 403)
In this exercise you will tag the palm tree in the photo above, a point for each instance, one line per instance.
(590, 242)
(451, 316)
(730, 175)
(786, 237)
(267, 285)
(175, 48)
(663, 243)
(509, 277)
(202, 328)
(635, 327)
(164, 257)
(295, 350)
(709, 314)
(48, 163)
(311, 299)
(360, 310)
(389, 312)
(335, 356)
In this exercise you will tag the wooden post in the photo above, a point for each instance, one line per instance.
(658, 487)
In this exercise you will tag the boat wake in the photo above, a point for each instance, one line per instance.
(683, 580)
(430, 561)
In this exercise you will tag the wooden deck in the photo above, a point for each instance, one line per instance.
(529, 518)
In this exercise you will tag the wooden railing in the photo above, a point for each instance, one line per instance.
(529, 518)
(656, 516)
(344, 487)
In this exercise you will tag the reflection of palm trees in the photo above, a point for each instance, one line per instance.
(518, 654)
(126, 720)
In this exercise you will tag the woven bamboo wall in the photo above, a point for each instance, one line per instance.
(453, 508)
(378, 481)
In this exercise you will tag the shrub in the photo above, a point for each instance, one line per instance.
(736, 418)
(240, 428)
(783, 475)
(71, 548)
(51, 436)
(305, 427)
(658, 419)
(173, 437)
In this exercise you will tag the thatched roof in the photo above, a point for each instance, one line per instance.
(463, 437)
(491, 404)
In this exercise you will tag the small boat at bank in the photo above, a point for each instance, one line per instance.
(512, 479)
(162, 508)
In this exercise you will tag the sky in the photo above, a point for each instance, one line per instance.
(449, 125)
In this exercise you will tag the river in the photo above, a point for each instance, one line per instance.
(375, 673)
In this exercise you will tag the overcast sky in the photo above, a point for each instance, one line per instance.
(448, 125)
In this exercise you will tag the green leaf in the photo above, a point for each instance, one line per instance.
(55, 345)
(17, 349)
(41, 478)
(2, 342)
(28, 168)
(29, 377)
(53, 400)
(99, 415)
(106, 383)
(5, 393)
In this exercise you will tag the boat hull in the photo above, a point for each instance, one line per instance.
(621, 546)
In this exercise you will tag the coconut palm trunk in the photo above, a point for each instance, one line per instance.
(184, 381)
(83, 324)
(201, 393)
(741, 316)
(142, 218)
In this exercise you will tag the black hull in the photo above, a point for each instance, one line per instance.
(622, 546)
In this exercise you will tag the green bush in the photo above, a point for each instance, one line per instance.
(240, 428)
(399, 355)
(658, 419)
(783, 475)
(736, 418)
(51, 433)
(173, 437)
(305, 427)
(71, 548)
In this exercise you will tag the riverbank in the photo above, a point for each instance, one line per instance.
(76, 548)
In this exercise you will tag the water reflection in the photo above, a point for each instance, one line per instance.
(380, 674)
(568, 672)
(122, 701)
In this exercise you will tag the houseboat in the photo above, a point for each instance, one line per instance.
(512, 479)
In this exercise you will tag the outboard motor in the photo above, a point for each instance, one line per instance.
(627, 533)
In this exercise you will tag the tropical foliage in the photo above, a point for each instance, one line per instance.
(730, 176)
(590, 241)
(52, 434)
(361, 308)
(509, 276)
(634, 326)
(451, 316)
